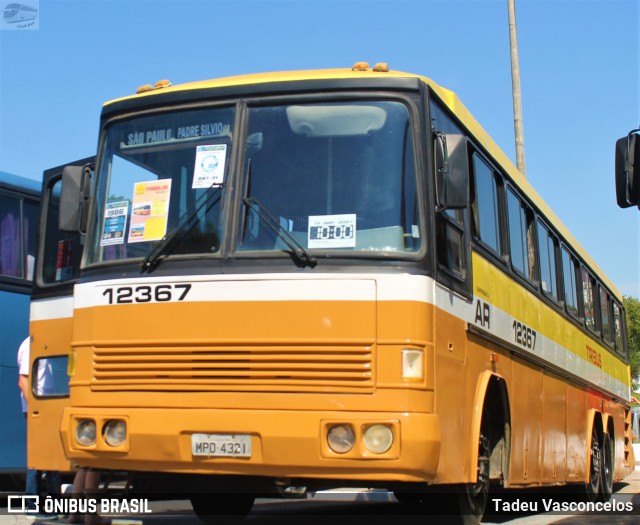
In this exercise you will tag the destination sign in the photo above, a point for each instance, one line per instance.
(163, 135)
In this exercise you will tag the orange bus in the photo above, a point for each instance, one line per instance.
(339, 280)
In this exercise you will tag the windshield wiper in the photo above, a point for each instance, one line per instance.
(299, 254)
(168, 243)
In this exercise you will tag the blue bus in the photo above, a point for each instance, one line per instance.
(19, 214)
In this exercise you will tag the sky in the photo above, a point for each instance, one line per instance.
(579, 65)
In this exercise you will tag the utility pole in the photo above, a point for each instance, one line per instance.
(515, 83)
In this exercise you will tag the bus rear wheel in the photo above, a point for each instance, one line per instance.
(606, 473)
(592, 486)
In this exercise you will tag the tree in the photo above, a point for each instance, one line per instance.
(632, 307)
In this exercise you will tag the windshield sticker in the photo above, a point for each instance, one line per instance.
(209, 168)
(149, 210)
(115, 223)
(332, 231)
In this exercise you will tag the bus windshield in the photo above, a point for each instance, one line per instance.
(155, 171)
(334, 176)
(331, 176)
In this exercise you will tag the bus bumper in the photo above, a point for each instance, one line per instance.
(283, 443)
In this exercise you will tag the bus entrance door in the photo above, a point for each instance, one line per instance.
(57, 267)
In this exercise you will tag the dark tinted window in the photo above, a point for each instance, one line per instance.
(485, 206)
(547, 244)
(18, 234)
(589, 299)
(62, 250)
(605, 315)
(450, 224)
(617, 328)
(520, 238)
(569, 278)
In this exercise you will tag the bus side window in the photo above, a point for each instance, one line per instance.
(618, 329)
(451, 244)
(18, 227)
(589, 300)
(570, 284)
(30, 214)
(62, 250)
(10, 231)
(605, 315)
(485, 206)
(451, 224)
(521, 245)
(547, 248)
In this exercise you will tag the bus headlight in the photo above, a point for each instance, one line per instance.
(378, 438)
(86, 432)
(115, 432)
(341, 438)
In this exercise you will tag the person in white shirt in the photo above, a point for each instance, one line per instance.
(44, 385)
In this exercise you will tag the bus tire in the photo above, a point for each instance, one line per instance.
(606, 473)
(471, 499)
(592, 485)
(222, 508)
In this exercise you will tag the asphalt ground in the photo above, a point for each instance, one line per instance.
(366, 507)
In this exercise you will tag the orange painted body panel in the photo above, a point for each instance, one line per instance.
(454, 397)
(342, 365)
(45, 450)
(526, 417)
(235, 323)
(549, 414)
(285, 443)
(554, 429)
(168, 378)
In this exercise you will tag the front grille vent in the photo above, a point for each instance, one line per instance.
(341, 368)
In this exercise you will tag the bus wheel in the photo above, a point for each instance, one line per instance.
(607, 468)
(592, 485)
(222, 508)
(472, 498)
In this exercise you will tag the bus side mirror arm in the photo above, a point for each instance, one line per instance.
(75, 197)
(628, 170)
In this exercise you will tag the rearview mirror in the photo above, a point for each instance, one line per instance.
(628, 170)
(74, 199)
(452, 171)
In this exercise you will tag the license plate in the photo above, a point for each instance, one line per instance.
(221, 445)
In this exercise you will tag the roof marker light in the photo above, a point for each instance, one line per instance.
(162, 84)
(144, 89)
(360, 66)
(381, 67)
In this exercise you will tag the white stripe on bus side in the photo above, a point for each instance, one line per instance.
(348, 287)
(47, 309)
